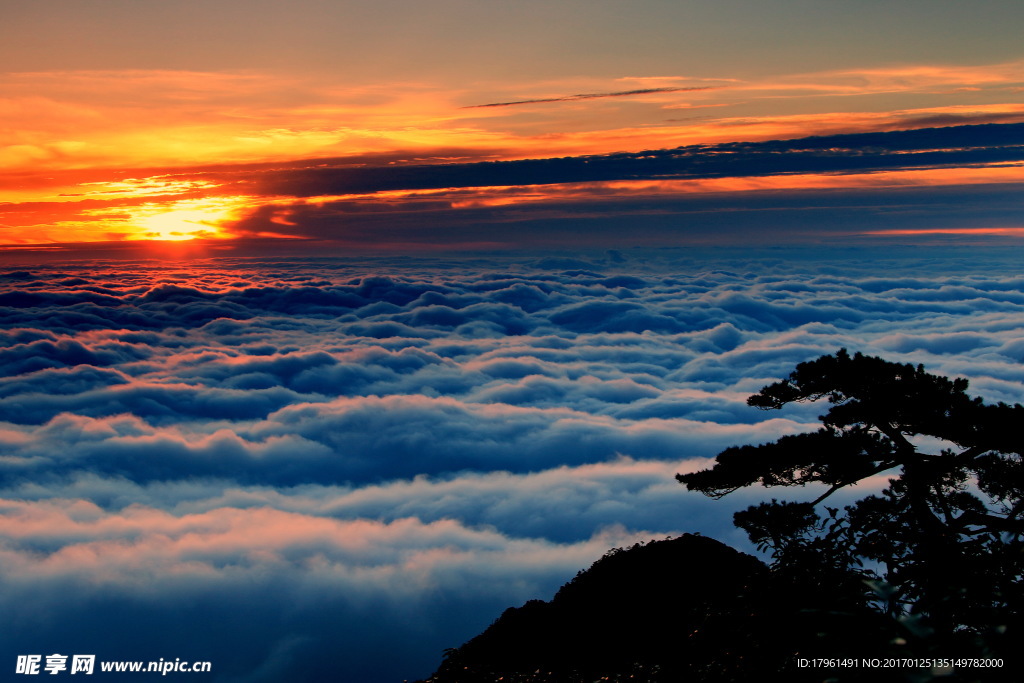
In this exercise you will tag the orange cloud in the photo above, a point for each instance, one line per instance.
(150, 119)
(72, 134)
(134, 214)
(169, 219)
(1006, 232)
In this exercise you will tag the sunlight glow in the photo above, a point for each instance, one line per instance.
(180, 225)
(188, 219)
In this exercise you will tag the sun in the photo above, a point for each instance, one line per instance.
(180, 225)
(184, 220)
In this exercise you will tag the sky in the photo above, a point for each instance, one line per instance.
(262, 127)
(330, 330)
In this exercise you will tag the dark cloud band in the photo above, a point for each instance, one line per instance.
(853, 153)
(590, 96)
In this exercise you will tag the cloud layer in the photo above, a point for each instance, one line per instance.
(300, 469)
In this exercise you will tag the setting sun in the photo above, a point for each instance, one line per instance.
(180, 225)
(184, 220)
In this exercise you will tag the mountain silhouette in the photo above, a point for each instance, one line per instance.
(688, 607)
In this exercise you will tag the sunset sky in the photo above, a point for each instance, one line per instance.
(254, 126)
(331, 329)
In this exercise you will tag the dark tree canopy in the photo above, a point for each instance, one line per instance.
(941, 546)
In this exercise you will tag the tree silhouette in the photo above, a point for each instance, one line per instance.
(940, 548)
(930, 568)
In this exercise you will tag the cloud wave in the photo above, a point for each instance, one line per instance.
(379, 455)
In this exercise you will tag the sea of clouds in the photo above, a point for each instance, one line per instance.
(333, 469)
